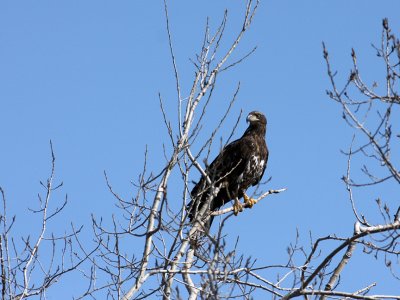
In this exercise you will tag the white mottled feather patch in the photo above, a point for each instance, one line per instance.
(254, 168)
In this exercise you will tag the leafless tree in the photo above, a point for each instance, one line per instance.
(151, 249)
(176, 258)
(179, 260)
(368, 109)
(31, 264)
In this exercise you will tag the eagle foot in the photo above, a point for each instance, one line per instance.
(249, 201)
(237, 207)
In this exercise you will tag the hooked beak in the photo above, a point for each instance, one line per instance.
(251, 118)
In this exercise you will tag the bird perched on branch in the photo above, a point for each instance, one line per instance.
(240, 165)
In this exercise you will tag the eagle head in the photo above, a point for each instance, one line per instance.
(256, 117)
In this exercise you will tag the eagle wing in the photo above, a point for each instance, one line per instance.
(228, 163)
(224, 169)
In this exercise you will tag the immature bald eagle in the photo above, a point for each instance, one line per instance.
(240, 165)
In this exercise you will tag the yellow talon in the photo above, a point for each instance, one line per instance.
(237, 207)
(249, 201)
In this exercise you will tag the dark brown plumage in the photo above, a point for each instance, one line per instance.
(240, 165)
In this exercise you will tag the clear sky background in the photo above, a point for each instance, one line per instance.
(86, 74)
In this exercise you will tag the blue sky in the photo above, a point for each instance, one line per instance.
(86, 74)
